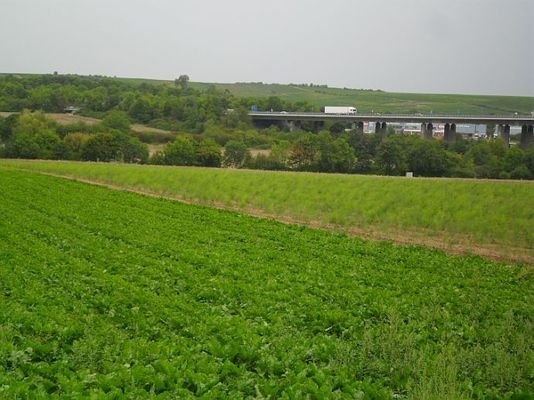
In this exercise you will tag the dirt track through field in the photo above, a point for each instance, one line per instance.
(457, 245)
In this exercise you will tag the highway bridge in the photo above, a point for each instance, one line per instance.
(428, 122)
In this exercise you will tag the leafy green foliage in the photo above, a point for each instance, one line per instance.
(114, 146)
(336, 155)
(33, 136)
(134, 297)
(471, 212)
(100, 147)
(74, 143)
(235, 154)
(208, 153)
(179, 152)
(117, 120)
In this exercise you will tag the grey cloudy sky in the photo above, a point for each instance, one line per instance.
(447, 46)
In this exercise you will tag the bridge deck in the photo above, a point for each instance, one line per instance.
(433, 118)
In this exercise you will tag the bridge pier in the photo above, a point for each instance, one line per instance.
(527, 135)
(503, 131)
(318, 126)
(381, 128)
(427, 129)
(293, 125)
(357, 126)
(449, 133)
(316, 121)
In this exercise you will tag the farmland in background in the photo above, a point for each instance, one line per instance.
(485, 217)
(112, 294)
(370, 100)
(363, 99)
(380, 101)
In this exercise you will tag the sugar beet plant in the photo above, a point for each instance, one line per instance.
(106, 294)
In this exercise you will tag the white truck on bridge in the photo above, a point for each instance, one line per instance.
(339, 110)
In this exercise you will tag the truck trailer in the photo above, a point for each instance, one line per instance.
(339, 110)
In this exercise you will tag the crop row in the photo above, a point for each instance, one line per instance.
(111, 294)
(466, 212)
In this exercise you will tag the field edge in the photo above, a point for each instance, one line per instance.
(457, 245)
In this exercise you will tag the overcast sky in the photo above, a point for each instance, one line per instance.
(440, 46)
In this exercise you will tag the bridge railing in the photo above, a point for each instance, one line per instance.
(377, 114)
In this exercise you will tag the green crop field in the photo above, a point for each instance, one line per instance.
(109, 294)
(493, 216)
(384, 102)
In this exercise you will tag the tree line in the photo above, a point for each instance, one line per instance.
(173, 106)
(396, 154)
(32, 135)
(211, 128)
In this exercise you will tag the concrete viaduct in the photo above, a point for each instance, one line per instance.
(427, 121)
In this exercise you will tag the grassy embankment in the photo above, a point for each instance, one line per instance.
(106, 294)
(491, 218)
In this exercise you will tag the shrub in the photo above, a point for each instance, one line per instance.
(235, 154)
(179, 152)
(208, 153)
(521, 172)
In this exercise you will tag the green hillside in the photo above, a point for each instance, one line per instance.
(372, 100)
(363, 100)
(379, 101)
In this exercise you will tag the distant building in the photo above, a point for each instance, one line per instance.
(470, 131)
(71, 109)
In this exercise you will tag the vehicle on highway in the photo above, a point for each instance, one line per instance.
(339, 110)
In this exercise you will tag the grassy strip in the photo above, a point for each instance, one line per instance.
(111, 294)
(467, 212)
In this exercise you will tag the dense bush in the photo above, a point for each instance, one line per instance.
(185, 151)
(235, 154)
(166, 106)
(32, 135)
(113, 146)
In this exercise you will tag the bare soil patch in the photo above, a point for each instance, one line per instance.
(263, 152)
(67, 119)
